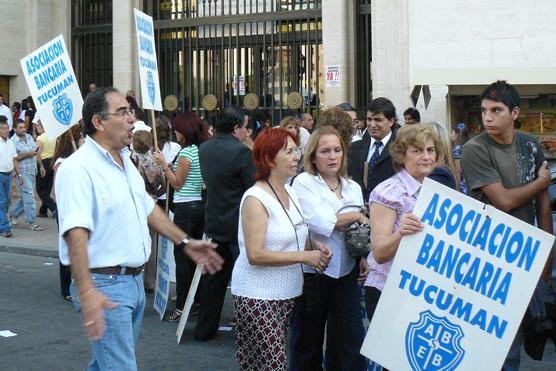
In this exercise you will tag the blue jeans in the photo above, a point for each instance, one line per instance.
(116, 349)
(26, 200)
(4, 200)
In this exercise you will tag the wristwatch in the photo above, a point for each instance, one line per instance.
(183, 244)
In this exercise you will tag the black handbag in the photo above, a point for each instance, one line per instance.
(357, 235)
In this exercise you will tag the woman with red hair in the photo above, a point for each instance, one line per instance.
(273, 243)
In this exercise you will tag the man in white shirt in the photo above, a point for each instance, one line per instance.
(105, 214)
(5, 111)
(7, 164)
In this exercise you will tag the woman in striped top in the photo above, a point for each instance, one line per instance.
(184, 175)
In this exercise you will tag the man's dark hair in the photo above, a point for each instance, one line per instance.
(346, 107)
(501, 91)
(24, 103)
(415, 115)
(3, 119)
(17, 105)
(231, 117)
(95, 103)
(17, 122)
(384, 106)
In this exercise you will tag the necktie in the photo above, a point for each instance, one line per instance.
(373, 161)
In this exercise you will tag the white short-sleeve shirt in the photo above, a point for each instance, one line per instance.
(93, 192)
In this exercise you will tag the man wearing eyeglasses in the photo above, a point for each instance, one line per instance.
(105, 215)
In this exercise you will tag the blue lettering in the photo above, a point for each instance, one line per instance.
(442, 213)
(481, 239)
(529, 253)
(429, 214)
(423, 255)
(453, 225)
(466, 219)
(502, 291)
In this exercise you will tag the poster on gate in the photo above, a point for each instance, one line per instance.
(457, 291)
(148, 66)
(52, 83)
(333, 76)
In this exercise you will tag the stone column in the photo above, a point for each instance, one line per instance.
(124, 47)
(390, 54)
(338, 40)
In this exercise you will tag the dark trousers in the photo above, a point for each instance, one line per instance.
(213, 291)
(44, 188)
(372, 294)
(65, 279)
(65, 275)
(325, 297)
(189, 216)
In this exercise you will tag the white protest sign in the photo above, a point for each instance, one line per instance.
(457, 291)
(52, 83)
(148, 66)
(165, 273)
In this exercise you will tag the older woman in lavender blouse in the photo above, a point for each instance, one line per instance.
(391, 204)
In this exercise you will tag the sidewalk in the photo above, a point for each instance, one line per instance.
(28, 242)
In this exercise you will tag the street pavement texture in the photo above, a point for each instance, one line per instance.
(50, 335)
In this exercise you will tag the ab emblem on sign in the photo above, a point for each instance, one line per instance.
(63, 109)
(433, 343)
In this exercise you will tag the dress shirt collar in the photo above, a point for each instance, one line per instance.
(124, 152)
(383, 140)
(411, 185)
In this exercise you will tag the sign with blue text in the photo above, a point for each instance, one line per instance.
(458, 290)
(165, 272)
(148, 66)
(52, 83)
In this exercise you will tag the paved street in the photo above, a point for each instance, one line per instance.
(49, 331)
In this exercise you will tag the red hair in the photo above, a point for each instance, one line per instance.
(266, 147)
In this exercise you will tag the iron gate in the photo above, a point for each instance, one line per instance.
(230, 48)
(363, 53)
(92, 42)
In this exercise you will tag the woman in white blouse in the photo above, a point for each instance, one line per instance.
(323, 190)
(273, 245)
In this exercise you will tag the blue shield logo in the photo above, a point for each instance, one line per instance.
(62, 109)
(150, 86)
(433, 343)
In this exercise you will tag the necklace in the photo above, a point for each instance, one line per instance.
(335, 188)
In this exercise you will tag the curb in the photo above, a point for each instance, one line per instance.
(30, 250)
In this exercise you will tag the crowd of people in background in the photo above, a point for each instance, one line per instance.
(276, 197)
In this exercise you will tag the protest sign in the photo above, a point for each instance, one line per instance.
(165, 273)
(52, 83)
(457, 291)
(148, 66)
(189, 301)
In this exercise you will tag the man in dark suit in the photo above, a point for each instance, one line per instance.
(227, 169)
(369, 161)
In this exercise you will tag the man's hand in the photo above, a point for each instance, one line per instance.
(92, 307)
(42, 171)
(202, 252)
(31, 154)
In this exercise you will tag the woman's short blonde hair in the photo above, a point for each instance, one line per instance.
(312, 147)
(412, 135)
(289, 120)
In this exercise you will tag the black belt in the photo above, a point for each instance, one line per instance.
(6, 173)
(118, 270)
